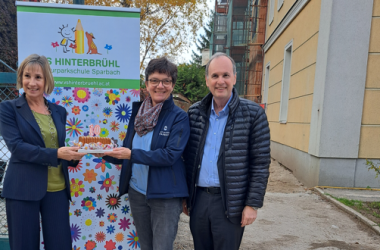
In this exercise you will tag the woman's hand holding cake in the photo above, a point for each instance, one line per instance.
(119, 153)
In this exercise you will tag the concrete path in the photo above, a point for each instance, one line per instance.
(295, 218)
(361, 195)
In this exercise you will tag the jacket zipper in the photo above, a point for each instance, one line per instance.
(224, 167)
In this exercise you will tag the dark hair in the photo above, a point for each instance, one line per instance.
(161, 65)
(219, 54)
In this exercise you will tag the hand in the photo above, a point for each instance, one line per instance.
(184, 207)
(120, 153)
(69, 153)
(248, 216)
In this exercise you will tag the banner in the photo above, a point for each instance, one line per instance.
(94, 55)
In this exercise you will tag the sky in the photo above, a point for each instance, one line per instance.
(187, 54)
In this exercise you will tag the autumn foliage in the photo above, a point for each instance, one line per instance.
(8, 35)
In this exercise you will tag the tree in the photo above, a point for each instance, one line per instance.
(8, 35)
(167, 27)
(203, 41)
(191, 82)
(374, 166)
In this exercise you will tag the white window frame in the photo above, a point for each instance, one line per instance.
(271, 11)
(285, 85)
(279, 4)
(266, 84)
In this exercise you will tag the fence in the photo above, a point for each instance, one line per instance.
(7, 92)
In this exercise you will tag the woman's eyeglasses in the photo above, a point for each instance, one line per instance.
(156, 82)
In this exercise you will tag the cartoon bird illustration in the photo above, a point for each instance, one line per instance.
(91, 45)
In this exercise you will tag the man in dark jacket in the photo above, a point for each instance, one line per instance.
(227, 160)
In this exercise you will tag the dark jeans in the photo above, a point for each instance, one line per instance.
(209, 225)
(23, 219)
(156, 220)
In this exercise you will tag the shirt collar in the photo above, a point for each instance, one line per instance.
(225, 109)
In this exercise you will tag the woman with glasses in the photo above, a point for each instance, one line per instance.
(153, 173)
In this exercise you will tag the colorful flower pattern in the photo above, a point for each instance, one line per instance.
(123, 113)
(76, 187)
(88, 203)
(81, 95)
(112, 97)
(133, 239)
(107, 182)
(99, 219)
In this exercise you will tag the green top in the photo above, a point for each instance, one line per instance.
(56, 180)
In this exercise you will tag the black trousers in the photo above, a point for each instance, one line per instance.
(23, 219)
(209, 225)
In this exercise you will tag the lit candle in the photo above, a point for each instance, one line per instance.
(91, 130)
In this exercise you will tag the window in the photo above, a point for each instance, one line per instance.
(271, 11)
(219, 48)
(285, 83)
(266, 84)
(279, 4)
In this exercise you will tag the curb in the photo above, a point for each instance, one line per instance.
(351, 211)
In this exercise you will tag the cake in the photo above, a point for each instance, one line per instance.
(94, 139)
(96, 143)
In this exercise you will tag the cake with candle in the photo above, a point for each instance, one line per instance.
(94, 143)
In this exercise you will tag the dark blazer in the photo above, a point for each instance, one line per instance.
(27, 173)
(166, 176)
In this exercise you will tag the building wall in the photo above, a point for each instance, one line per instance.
(370, 129)
(278, 14)
(303, 31)
(333, 121)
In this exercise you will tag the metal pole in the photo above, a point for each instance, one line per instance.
(1, 61)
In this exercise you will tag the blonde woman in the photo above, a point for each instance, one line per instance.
(37, 180)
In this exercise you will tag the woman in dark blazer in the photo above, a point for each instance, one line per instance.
(37, 180)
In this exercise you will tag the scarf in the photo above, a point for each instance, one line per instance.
(147, 116)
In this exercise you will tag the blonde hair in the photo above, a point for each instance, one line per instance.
(31, 61)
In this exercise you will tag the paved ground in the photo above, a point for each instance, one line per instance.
(295, 218)
(362, 195)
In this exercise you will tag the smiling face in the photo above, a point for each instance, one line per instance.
(67, 33)
(221, 78)
(33, 81)
(159, 93)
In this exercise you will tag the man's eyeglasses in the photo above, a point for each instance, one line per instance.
(156, 82)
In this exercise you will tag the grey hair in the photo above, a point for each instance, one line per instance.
(219, 54)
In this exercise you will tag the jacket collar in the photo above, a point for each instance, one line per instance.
(167, 105)
(26, 112)
(205, 104)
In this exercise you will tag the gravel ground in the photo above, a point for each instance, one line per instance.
(295, 218)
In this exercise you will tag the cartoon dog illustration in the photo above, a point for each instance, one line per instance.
(91, 45)
(68, 35)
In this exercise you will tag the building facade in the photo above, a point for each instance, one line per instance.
(239, 30)
(321, 87)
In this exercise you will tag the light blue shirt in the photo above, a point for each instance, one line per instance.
(139, 179)
(208, 176)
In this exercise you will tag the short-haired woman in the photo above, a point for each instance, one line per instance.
(153, 173)
(37, 180)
